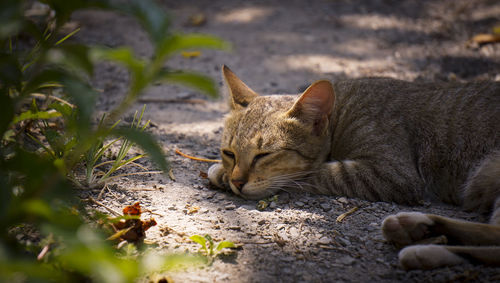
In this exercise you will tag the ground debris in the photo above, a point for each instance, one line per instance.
(130, 227)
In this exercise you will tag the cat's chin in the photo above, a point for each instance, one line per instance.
(255, 194)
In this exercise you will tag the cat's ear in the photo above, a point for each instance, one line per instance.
(240, 94)
(314, 106)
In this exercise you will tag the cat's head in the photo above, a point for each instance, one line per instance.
(274, 142)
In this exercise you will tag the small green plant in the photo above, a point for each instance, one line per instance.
(209, 248)
(94, 156)
(48, 137)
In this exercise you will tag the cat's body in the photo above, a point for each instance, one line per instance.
(375, 139)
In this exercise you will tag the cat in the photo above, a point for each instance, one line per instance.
(378, 139)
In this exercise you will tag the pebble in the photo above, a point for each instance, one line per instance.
(344, 241)
(230, 207)
(272, 205)
(261, 222)
(299, 204)
(342, 200)
(325, 206)
(346, 260)
(324, 240)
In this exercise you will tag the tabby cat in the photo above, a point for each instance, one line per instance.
(377, 139)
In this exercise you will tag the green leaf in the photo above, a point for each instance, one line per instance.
(40, 79)
(190, 79)
(146, 142)
(210, 243)
(179, 42)
(72, 56)
(150, 15)
(38, 207)
(122, 55)
(200, 240)
(36, 115)
(225, 244)
(65, 8)
(84, 97)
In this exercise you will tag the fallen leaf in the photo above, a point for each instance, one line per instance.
(134, 209)
(203, 175)
(171, 174)
(486, 38)
(345, 214)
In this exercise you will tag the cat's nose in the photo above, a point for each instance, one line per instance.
(238, 183)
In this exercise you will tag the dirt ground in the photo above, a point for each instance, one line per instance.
(281, 47)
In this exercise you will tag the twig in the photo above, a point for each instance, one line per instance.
(102, 191)
(105, 207)
(41, 95)
(44, 251)
(197, 158)
(345, 214)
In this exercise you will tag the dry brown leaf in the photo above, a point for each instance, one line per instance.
(486, 38)
(345, 214)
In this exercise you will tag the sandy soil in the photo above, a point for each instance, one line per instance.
(281, 47)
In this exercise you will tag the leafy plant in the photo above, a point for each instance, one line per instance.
(47, 135)
(208, 247)
(93, 157)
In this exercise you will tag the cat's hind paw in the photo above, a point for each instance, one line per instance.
(406, 228)
(427, 257)
(216, 175)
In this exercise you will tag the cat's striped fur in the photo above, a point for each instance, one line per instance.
(375, 139)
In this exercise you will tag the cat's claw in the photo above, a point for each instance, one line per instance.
(216, 175)
(406, 228)
(427, 257)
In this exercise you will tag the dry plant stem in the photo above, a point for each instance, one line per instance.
(41, 95)
(105, 207)
(101, 193)
(44, 251)
(197, 158)
(345, 214)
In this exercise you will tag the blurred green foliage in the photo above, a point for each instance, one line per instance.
(47, 133)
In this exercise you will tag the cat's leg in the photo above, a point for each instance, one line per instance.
(433, 256)
(217, 176)
(483, 186)
(407, 228)
(481, 241)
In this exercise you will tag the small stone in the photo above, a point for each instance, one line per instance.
(172, 207)
(344, 241)
(299, 204)
(230, 207)
(272, 205)
(324, 240)
(261, 222)
(346, 260)
(342, 200)
(325, 206)
(237, 228)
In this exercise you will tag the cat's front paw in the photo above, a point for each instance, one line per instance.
(216, 175)
(427, 257)
(406, 228)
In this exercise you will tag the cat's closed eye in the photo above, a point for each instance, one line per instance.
(260, 156)
(228, 153)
